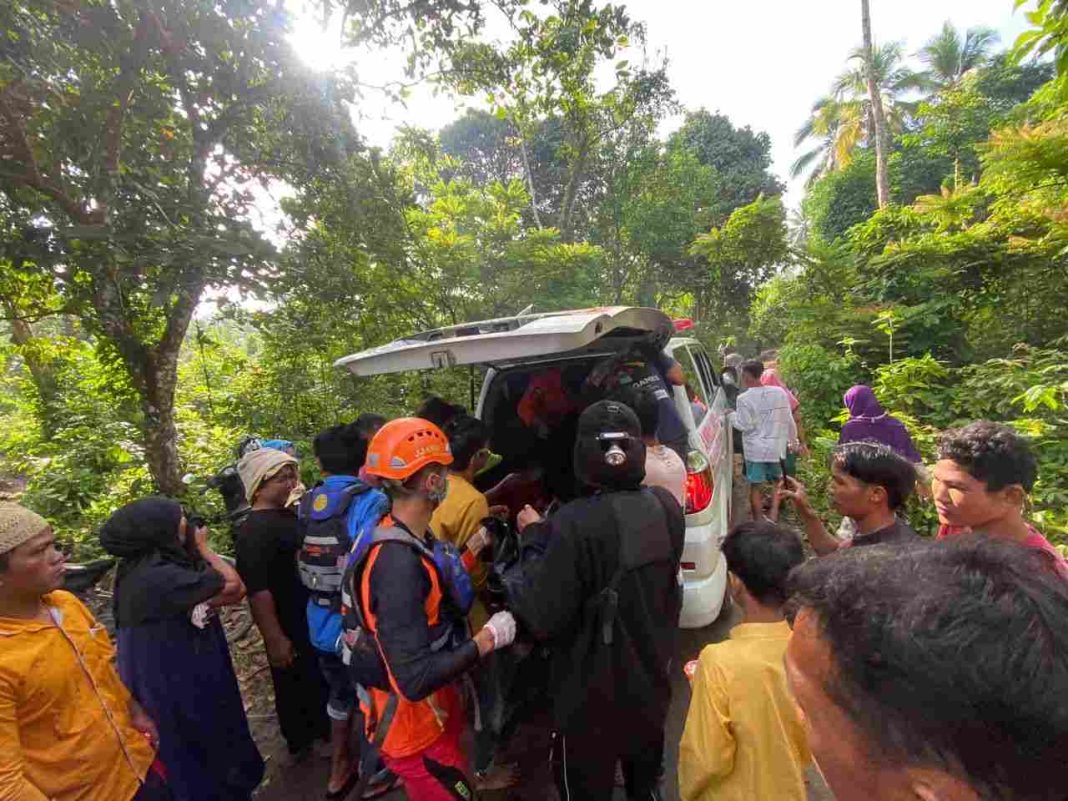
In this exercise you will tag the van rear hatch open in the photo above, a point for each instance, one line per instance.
(512, 340)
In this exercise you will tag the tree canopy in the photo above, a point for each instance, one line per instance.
(193, 229)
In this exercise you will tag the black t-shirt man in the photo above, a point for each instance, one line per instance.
(266, 547)
(897, 533)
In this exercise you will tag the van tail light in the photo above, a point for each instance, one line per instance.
(699, 483)
(688, 565)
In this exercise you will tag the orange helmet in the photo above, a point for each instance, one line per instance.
(404, 446)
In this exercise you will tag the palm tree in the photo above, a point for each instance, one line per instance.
(877, 113)
(843, 121)
(837, 128)
(949, 56)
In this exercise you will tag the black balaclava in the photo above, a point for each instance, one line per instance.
(609, 452)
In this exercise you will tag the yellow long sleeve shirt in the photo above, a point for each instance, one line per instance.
(65, 730)
(743, 740)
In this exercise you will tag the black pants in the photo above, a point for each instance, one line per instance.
(300, 696)
(584, 763)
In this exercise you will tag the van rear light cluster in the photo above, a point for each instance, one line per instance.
(699, 482)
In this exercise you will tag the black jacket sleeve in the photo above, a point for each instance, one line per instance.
(548, 594)
(399, 587)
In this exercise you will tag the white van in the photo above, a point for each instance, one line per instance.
(513, 348)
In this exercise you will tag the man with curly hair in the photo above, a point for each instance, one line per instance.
(980, 483)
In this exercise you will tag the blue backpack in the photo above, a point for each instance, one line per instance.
(324, 515)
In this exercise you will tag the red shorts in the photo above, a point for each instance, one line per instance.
(438, 772)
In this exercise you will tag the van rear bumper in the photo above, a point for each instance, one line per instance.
(702, 598)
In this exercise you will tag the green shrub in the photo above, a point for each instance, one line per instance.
(819, 377)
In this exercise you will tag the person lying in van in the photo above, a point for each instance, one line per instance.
(550, 412)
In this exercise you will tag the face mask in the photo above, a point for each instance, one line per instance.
(438, 493)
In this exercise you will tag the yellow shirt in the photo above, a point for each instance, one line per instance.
(743, 740)
(458, 517)
(65, 731)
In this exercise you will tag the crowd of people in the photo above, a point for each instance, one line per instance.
(423, 584)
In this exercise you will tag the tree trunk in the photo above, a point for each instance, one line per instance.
(530, 178)
(153, 370)
(882, 182)
(567, 206)
(161, 434)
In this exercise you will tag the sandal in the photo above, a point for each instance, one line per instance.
(381, 783)
(497, 777)
(343, 792)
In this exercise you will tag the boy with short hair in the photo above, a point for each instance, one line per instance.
(329, 520)
(743, 739)
(980, 483)
(764, 417)
(935, 671)
(869, 484)
(458, 518)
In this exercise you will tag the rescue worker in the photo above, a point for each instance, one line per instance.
(600, 581)
(406, 603)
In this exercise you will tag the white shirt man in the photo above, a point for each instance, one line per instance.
(768, 429)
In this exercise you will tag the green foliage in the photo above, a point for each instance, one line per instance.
(741, 255)
(819, 377)
(1050, 34)
(134, 136)
(739, 158)
(151, 127)
(918, 387)
(841, 199)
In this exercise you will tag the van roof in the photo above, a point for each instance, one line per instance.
(507, 339)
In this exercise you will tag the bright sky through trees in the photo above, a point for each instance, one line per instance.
(762, 64)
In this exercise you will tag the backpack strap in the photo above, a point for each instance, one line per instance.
(304, 507)
(386, 534)
(609, 596)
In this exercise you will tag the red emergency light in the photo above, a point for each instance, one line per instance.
(683, 324)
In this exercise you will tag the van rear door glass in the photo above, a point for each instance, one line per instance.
(695, 383)
(704, 364)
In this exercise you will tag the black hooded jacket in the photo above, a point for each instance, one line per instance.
(556, 593)
(157, 577)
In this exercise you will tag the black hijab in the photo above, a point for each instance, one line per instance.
(157, 577)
